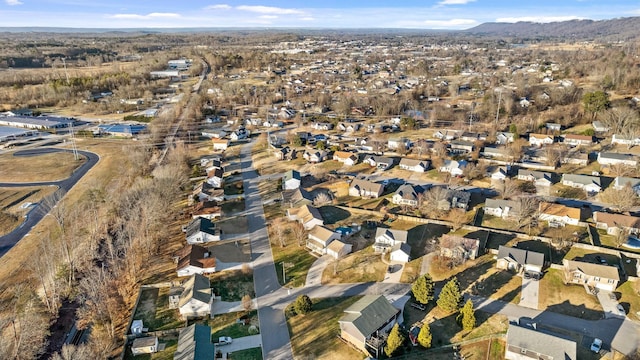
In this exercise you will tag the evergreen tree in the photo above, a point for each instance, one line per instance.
(450, 297)
(425, 336)
(422, 289)
(394, 341)
(467, 316)
(302, 305)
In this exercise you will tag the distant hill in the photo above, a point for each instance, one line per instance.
(609, 30)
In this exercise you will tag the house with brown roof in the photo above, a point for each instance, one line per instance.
(345, 157)
(366, 323)
(194, 259)
(207, 209)
(577, 140)
(559, 215)
(614, 223)
(598, 276)
(338, 249)
(540, 139)
(414, 165)
(220, 144)
(320, 237)
(206, 192)
(365, 188)
(307, 215)
(215, 177)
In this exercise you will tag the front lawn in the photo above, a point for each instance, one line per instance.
(246, 354)
(234, 225)
(297, 260)
(570, 299)
(232, 285)
(234, 188)
(411, 271)
(309, 340)
(229, 326)
(361, 266)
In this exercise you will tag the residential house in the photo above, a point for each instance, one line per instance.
(215, 177)
(220, 144)
(297, 197)
(455, 199)
(454, 167)
(603, 277)
(348, 127)
(407, 194)
(461, 146)
(291, 180)
(365, 188)
(239, 134)
(194, 342)
(194, 259)
(144, 345)
(614, 223)
(307, 215)
(501, 173)
(380, 162)
(385, 239)
(205, 192)
(625, 140)
(526, 343)
(608, 158)
(367, 322)
(325, 126)
(201, 230)
(458, 247)
(320, 237)
(446, 134)
(539, 178)
(345, 157)
(553, 126)
(620, 182)
(502, 208)
(590, 184)
(206, 209)
(559, 215)
(540, 139)
(398, 143)
(504, 138)
(418, 166)
(338, 249)
(400, 252)
(473, 136)
(284, 153)
(196, 298)
(315, 156)
(599, 127)
(577, 140)
(496, 153)
(576, 158)
(514, 259)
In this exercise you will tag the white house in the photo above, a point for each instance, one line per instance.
(387, 238)
(620, 182)
(291, 180)
(315, 156)
(201, 230)
(598, 126)
(401, 253)
(501, 208)
(320, 238)
(196, 297)
(407, 194)
(501, 173)
(623, 140)
(577, 140)
(365, 188)
(590, 184)
(454, 167)
(398, 143)
(338, 249)
(503, 138)
(307, 215)
(540, 139)
(559, 215)
(220, 144)
(418, 166)
(194, 259)
(144, 345)
(614, 223)
(539, 178)
(215, 177)
(608, 158)
(345, 157)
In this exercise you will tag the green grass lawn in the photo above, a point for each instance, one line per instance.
(309, 340)
(570, 299)
(232, 285)
(234, 188)
(247, 354)
(361, 266)
(630, 299)
(298, 261)
(568, 192)
(153, 310)
(233, 329)
(498, 223)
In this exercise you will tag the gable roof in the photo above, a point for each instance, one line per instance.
(499, 203)
(194, 255)
(534, 174)
(414, 162)
(396, 235)
(369, 314)
(216, 172)
(581, 179)
(521, 256)
(291, 174)
(194, 343)
(294, 196)
(321, 232)
(308, 213)
(617, 156)
(617, 220)
(366, 185)
(559, 210)
(345, 155)
(462, 196)
(336, 246)
(590, 269)
(380, 159)
(196, 287)
(201, 224)
(623, 181)
(539, 343)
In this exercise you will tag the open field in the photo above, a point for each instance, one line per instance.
(310, 341)
(45, 167)
(11, 200)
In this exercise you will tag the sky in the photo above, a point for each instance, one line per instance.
(423, 14)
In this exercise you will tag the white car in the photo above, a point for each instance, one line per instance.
(596, 345)
(224, 340)
(620, 310)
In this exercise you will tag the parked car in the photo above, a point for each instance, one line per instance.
(526, 275)
(620, 310)
(596, 345)
(224, 340)
(418, 306)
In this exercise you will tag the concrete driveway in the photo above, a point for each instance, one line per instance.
(314, 276)
(529, 293)
(246, 342)
(395, 275)
(609, 304)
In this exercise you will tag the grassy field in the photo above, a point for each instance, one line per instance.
(570, 300)
(362, 266)
(297, 260)
(11, 214)
(310, 341)
(226, 325)
(247, 354)
(46, 167)
(411, 270)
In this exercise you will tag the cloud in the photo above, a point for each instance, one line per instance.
(269, 10)
(218, 7)
(13, 2)
(452, 23)
(308, 18)
(538, 19)
(268, 16)
(145, 17)
(455, 2)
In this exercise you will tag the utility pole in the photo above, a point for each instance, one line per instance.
(73, 144)
(284, 278)
(498, 110)
(66, 74)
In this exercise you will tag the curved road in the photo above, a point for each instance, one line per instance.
(40, 210)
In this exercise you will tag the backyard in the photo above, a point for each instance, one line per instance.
(153, 310)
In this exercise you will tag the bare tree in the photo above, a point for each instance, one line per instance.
(247, 303)
(624, 122)
(510, 189)
(527, 210)
(620, 199)
(432, 199)
(458, 217)
(321, 199)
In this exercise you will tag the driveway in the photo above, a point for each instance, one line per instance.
(609, 304)
(243, 343)
(225, 307)
(529, 293)
(314, 276)
(395, 274)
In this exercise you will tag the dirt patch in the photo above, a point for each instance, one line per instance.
(362, 266)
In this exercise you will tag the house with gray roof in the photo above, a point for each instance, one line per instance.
(603, 277)
(194, 342)
(524, 343)
(367, 322)
(514, 259)
(365, 188)
(455, 199)
(196, 297)
(407, 194)
(291, 180)
(414, 165)
(387, 238)
(501, 208)
(590, 184)
(380, 162)
(609, 158)
(620, 182)
(297, 197)
(539, 178)
(202, 230)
